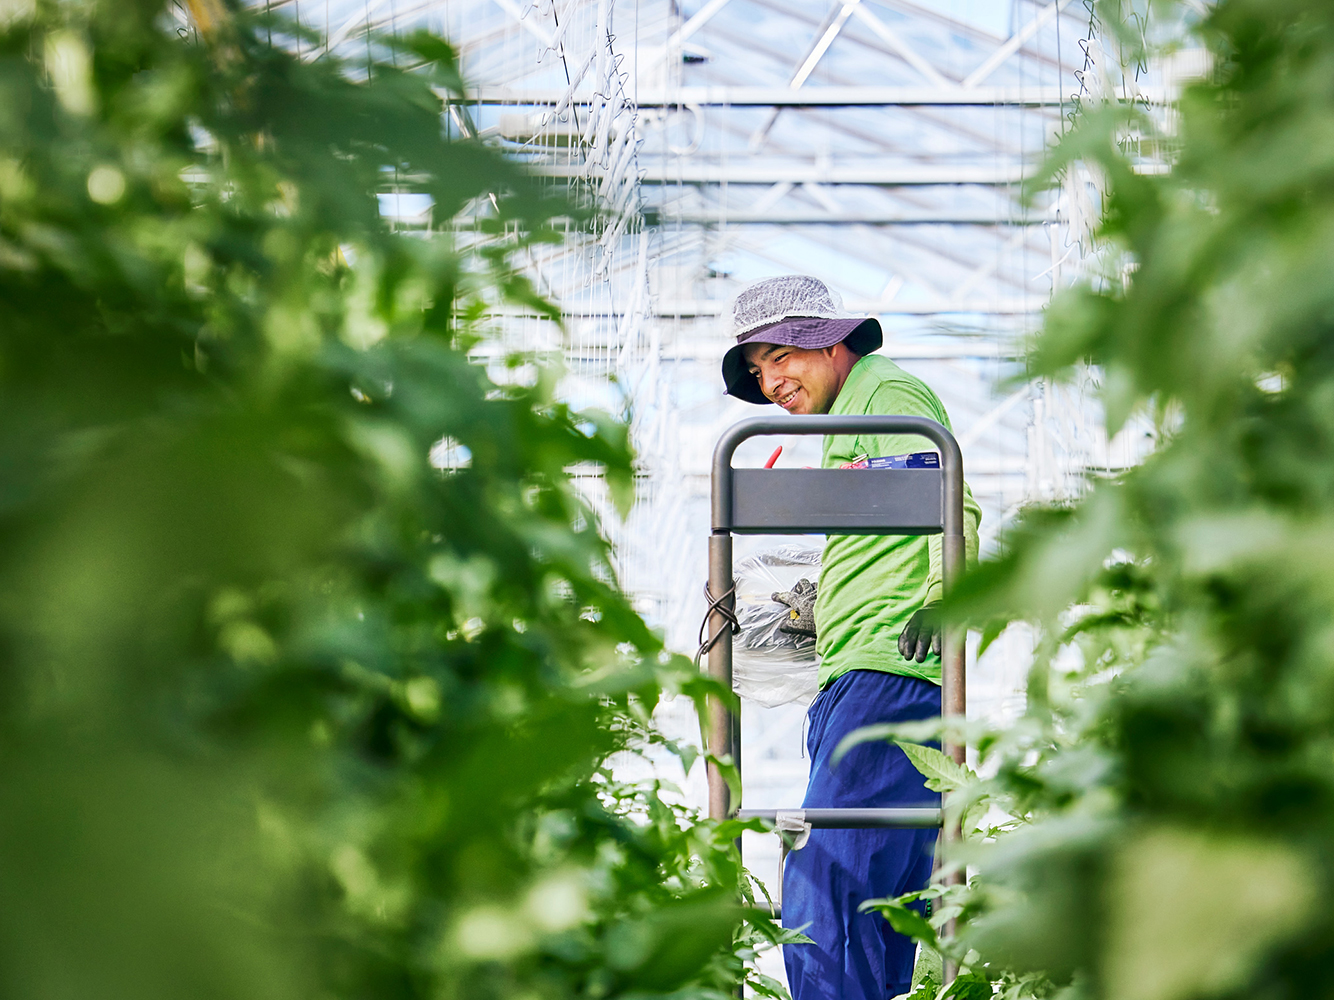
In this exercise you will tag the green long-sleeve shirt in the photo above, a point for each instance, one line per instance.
(870, 585)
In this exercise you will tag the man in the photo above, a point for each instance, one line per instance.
(878, 637)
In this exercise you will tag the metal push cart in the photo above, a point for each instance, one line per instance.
(830, 501)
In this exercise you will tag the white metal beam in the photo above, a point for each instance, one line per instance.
(806, 97)
(987, 268)
(1015, 43)
(757, 218)
(821, 46)
(709, 354)
(871, 132)
(797, 10)
(361, 17)
(822, 196)
(772, 197)
(890, 37)
(933, 260)
(763, 170)
(530, 25)
(807, 66)
(1009, 306)
(841, 127)
(993, 416)
(696, 21)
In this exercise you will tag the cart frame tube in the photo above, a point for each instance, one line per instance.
(724, 737)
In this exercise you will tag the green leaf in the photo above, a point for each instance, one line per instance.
(672, 943)
(687, 753)
(970, 986)
(255, 643)
(973, 813)
(728, 769)
(927, 974)
(767, 986)
(903, 919)
(941, 772)
(991, 631)
(926, 729)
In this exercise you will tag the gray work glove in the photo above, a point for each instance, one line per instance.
(801, 600)
(921, 636)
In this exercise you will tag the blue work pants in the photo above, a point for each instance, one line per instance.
(858, 956)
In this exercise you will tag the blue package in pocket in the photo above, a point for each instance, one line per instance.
(917, 460)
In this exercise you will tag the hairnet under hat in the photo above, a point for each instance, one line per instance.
(796, 310)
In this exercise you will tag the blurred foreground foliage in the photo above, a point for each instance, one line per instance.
(1164, 809)
(286, 711)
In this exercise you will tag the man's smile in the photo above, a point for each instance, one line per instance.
(799, 379)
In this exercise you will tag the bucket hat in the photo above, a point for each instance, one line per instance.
(796, 310)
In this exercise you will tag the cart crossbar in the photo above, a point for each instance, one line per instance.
(902, 818)
(837, 501)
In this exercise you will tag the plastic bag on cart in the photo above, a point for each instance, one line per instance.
(769, 666)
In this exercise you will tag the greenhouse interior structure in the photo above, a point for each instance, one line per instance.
(365, 614)
(880, 146)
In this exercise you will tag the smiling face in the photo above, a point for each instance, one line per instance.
(798, 379)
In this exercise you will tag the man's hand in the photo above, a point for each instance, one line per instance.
(921, 636)
(801, 599)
